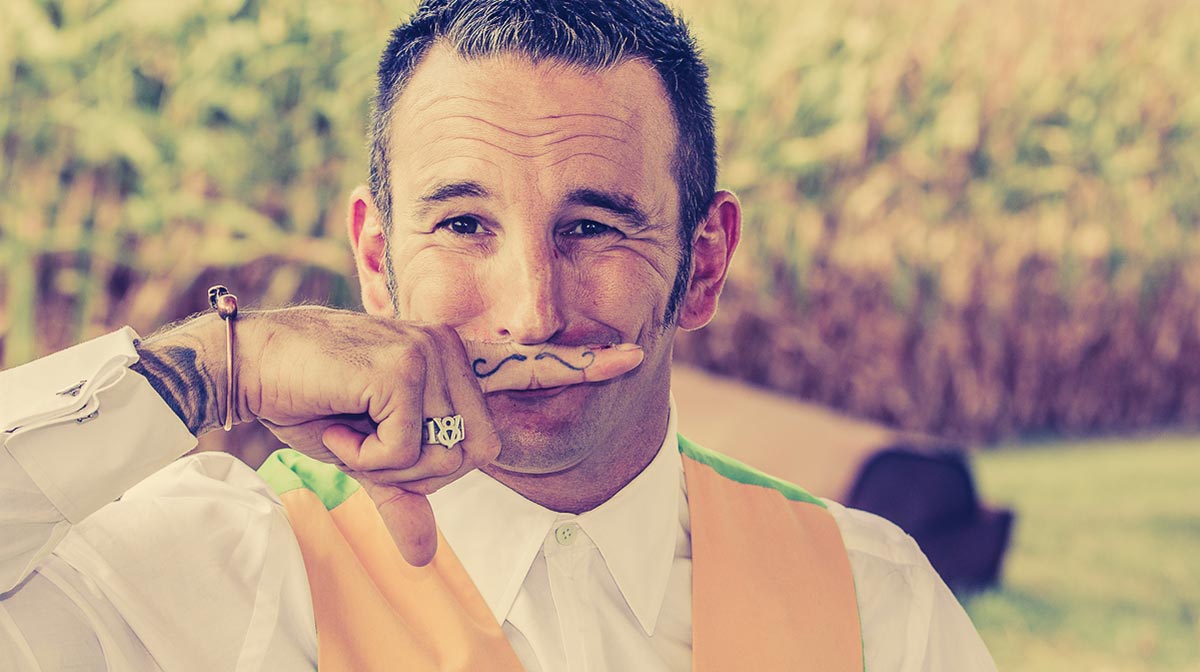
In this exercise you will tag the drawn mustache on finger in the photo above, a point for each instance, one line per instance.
(587, 357)
(498, 367)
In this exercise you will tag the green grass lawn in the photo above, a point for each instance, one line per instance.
(1104, 569)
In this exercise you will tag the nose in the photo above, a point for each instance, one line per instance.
(526, 294)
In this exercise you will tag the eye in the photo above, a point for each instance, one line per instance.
(463, 226)
(588, 229)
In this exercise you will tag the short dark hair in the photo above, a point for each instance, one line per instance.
(593, 34)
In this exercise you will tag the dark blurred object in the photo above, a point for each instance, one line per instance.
(919, 482)
(931, 495)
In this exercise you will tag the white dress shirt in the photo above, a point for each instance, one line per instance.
(196, 568)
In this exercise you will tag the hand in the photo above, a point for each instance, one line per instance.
(354, 390)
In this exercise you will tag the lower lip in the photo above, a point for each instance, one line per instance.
(535, 395)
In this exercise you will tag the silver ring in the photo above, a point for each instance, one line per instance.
(444, 431)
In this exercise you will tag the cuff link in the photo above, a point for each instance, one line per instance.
(72, 391)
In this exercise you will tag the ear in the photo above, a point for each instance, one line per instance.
(712, 249)
(368, 240)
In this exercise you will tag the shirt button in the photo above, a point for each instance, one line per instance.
(565, 534)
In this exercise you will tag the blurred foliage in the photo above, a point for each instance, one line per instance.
(961, 217)
(148, 145)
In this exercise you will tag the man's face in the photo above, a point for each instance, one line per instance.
(534, 203)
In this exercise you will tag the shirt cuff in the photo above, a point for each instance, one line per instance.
(85, 427)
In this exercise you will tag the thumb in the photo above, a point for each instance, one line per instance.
(408, 518)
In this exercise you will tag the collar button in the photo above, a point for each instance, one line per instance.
(565, 534)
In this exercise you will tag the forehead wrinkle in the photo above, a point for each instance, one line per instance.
(494, 125)
(534, 155)
(527, 136)
(580, 154)
(466, 157)
(593, 115)
(506, 150)
(598, 136)
(422, 106)
(448, 137)
(548, 146)
(533, 135)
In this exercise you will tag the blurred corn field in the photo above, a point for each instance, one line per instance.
(972, 219)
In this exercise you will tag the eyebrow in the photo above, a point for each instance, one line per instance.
(448, 191)
(622, 205)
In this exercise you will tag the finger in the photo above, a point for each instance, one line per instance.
(395, 442)
(428, 486)
(308, 437)
(438, 459)
(341, 439)
(426, 472)
(481, 444)
(407, 517)
(459, 394)
(502, 366)
(436, 462)
(435, 459)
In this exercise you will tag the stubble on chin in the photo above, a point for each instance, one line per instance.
(539, 452)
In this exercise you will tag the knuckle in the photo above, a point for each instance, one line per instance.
(409, 367)
(427, 336)
(358, 462)
(437, 461)
(450, 462)
(439, 332)
(443, 332)
(486, 451)
(401, 456)
(351, 463)
(445, 340)
(407, 456)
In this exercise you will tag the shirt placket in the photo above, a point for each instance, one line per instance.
(566, 549)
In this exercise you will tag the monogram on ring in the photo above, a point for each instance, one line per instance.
(446, 431)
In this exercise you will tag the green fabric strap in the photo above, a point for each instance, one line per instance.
(286, 470)
(736, 471)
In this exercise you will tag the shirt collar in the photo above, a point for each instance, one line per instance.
(497, 534)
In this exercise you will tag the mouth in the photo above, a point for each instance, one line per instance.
(533, 395)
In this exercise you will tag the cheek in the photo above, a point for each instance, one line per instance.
(440, 288)
(623, 288)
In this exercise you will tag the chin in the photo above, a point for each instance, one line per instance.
(527, 450)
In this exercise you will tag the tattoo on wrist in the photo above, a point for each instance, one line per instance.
(176, 373)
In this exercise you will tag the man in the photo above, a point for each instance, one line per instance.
(541, 217)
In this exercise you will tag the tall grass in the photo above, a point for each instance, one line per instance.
(150, 146)
(962, 217)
